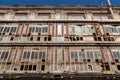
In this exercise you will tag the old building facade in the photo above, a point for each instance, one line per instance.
(60, 42)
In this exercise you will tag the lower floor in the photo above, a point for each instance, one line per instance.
(66, 76)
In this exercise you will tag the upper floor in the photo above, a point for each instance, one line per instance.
(59, 13)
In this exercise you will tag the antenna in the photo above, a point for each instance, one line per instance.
(109, 3)
(110, 8)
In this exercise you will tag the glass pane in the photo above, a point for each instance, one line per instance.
(1, 29)
(31, 29)
(73, 29)
(6, 29)
(4, 55)
(43, 55)
(26, 55)
(40, 55)
(108, 30)
(72, 54)
(83, 30)
(91, 55)
(44, 30)
(114, 30)
(75, 53)
(85, 67)
(88, 55)
(118, 29)
(34, 55)
(78, 30)
(13, 30)
(116, 54)
(36, 29)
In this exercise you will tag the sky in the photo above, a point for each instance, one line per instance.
(56, 2)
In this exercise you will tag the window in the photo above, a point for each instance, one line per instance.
(97, 54)
(41, 55)
(102, 16)
(4, 55)
(75, 16)
(90, 68)
(74, 55)
(38, 30)
(116, 54)
(81, 55)
(28, 67)
(31, 29)
(34, 55)
(1, 29)
(89, 54)
(20, 16)
(43, 16)
(8, 29)
(112, 29)
(13, 29)
(72, 30)
(108, 30)
(118, 66)
(80, 30)
(44, 30)
(26, 55)
(2, 15)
